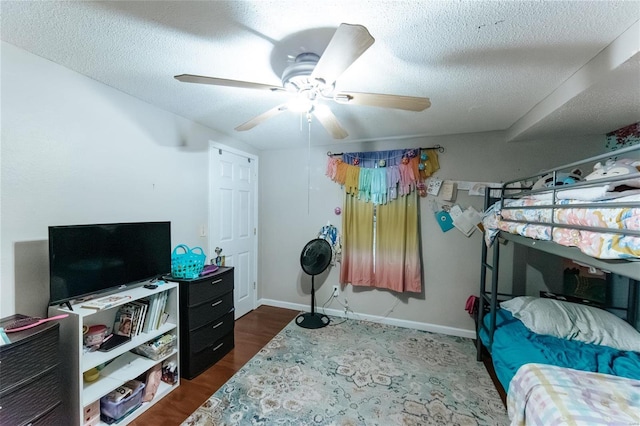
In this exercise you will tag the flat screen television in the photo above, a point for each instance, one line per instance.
(102, 258)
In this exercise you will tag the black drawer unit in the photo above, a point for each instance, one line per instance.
(212, 332)
(206, 321)
(211, 354)
(210, 310)
(30, 375)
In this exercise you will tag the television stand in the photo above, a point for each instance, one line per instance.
(118, 365)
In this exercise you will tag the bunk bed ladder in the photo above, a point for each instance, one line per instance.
(487, 298)
(633, 316)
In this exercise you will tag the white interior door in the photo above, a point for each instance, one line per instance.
(233, 218)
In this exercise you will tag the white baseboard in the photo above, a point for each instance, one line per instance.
(433, 328)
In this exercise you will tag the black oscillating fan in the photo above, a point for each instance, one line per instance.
(314, 259)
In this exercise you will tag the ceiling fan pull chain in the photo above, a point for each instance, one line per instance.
(308, 163)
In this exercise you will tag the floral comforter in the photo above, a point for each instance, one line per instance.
(601, 245)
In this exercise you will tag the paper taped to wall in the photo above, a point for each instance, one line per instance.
(433, 186)
(444, 220)
(465, 221)
(478, 188)
(448, 191)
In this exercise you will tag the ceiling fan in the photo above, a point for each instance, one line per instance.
(312, 78)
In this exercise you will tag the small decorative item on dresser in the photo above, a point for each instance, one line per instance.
(209, 269)
(218, 260)
(188, 264)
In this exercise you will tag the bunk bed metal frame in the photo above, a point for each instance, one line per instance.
(489, 298)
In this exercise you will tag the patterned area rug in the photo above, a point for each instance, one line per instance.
(357, 373)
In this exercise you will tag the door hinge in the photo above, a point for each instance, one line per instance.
(254, 285)
(254, 231)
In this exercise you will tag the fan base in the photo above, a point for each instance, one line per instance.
(312, 320)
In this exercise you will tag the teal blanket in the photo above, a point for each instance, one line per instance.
(515, 345)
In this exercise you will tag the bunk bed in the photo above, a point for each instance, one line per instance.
(545, 349)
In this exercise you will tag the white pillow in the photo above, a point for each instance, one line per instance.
(573, 321)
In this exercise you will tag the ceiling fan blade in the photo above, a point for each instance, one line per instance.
(330, 122)
(346, 45)
(409, 103)
(190, 78)
(262, 117)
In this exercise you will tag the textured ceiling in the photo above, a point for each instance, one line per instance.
(532, 69)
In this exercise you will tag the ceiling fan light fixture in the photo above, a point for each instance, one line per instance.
(301, 103)
(311, 78)
(296, 76)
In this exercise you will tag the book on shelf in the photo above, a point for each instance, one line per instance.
(105, 302)
(154, 306)
(164, 318)
(123, 323)
(134, 317)
(163, 303)
(147, 319)
(133, 313)
(141, 306)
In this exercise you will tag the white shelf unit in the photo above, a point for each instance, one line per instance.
(121, 364)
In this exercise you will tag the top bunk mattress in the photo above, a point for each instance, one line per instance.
(599, 213)
(528, 217)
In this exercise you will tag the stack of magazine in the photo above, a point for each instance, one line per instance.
(141, 316)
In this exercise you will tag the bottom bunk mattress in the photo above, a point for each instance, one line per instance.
(515, 345)
(550, 395)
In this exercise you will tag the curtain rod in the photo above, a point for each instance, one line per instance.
(437, 147)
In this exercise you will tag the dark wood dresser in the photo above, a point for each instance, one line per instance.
(206, 321)
(30, 390)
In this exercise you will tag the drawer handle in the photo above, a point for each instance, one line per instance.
(218, 347)
(217, 303)
(216, 281)
(218, 324)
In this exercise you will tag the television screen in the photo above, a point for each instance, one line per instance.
(88, 259)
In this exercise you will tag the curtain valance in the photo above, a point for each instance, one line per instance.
(380, 176)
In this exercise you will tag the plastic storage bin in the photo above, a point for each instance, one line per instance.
(120, 401)
(157, 348)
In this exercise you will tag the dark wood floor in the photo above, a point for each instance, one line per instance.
(252, 332)
(488, 364)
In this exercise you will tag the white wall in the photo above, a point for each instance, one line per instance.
(451, 260)
(76, 151)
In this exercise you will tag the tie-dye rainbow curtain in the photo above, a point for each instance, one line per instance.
(398, 261)
(357, 242)
(380, 223)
